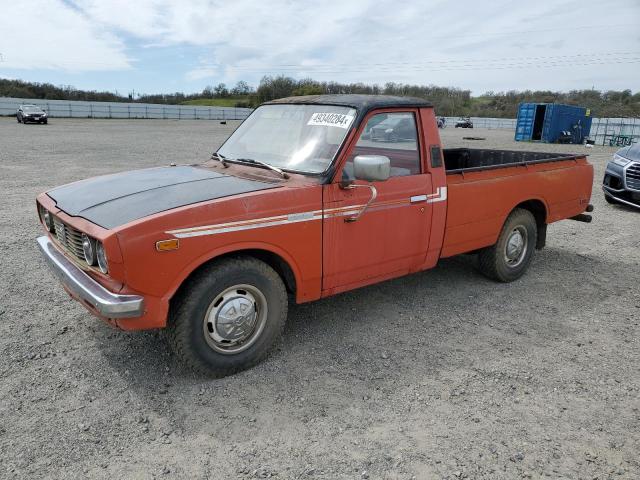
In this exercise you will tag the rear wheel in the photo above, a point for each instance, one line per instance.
(510, 257)
(228, 316)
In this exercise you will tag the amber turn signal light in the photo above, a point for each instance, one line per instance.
(166, 245)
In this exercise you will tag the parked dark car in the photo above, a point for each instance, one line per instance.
(464, 123)
(394, 128)
(366, 135)
(621, 182)
(31, 113)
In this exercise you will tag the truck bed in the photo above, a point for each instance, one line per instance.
(482, 190)
(458, 160)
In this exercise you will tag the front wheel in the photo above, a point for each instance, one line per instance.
(510, 257)
(228, 316)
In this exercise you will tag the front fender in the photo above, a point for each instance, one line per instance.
(302, 292)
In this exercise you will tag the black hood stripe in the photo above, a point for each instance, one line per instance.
(114, 200)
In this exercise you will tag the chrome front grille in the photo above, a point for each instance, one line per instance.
(69, 238)
(633, 176)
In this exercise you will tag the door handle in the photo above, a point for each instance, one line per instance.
(418, 198)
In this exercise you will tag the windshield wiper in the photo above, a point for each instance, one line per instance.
(264, 164)
(221, 158)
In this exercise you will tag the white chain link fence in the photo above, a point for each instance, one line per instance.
(71, 109)
(617, 132)
(604, 131)
(484, 122)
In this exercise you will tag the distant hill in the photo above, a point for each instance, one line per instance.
(239, 101)
(21, 89)
(448, 101)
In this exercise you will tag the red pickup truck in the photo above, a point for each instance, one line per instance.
(302, 201)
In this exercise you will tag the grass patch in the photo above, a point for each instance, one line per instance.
(216, 102)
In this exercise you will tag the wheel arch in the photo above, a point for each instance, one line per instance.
(279, 260)
(540, 212)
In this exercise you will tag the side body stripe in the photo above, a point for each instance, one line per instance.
(440, 195)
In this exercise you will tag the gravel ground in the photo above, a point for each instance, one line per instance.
(442, 374)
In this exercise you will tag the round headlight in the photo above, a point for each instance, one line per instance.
(89, 249)
(102, 258)
(47, 219)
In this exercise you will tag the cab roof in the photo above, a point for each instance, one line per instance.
(362, 103)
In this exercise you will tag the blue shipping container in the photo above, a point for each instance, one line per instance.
(546, 122)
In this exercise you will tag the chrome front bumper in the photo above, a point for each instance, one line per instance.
(85, 288)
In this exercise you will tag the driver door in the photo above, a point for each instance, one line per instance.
(390, 238)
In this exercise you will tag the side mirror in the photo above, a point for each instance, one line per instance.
(371, 168)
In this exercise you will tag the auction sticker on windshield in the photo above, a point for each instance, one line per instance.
(328, 119)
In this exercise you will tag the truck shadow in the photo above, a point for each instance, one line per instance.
(422, 324)
(625, 208)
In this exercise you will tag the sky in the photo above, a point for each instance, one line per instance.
(159, 46)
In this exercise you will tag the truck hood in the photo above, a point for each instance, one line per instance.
(114, 200)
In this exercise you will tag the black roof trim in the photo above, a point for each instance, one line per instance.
(363, 103)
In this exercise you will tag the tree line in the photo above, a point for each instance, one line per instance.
(448, 101)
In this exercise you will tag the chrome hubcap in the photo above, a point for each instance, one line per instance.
(235, 319)
(516, 246)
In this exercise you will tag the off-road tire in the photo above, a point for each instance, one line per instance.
(492, 261)
(189, 308)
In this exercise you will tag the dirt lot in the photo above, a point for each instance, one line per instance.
(443, 374)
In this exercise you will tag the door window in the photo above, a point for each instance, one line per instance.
(393, 135)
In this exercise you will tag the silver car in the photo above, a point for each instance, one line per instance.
(621, 182)
(31, 113)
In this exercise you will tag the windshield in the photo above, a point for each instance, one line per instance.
(31, 108)
(302, 138)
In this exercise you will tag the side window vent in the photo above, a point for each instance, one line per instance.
(436, 156)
